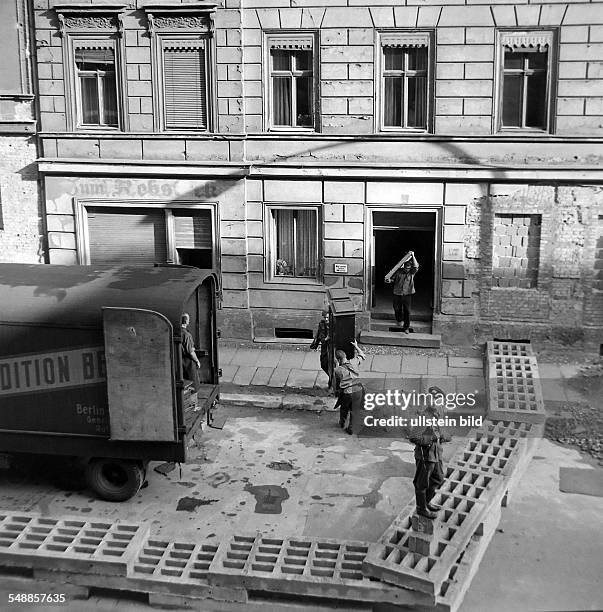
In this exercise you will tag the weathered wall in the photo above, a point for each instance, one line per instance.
(21, 227)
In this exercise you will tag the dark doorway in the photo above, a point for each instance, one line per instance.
(395, 233)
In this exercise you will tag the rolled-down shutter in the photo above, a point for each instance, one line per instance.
(184, 85)
(117, 237)
(193, 229)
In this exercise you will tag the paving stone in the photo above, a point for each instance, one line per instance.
(446, 383)
(268, 358)
(291, 359)
(244, 375)
(279, 377)
(225, 355)
(386, 363)
(262, 376)
(228, 373)
(245, 357)
(437, 366)
(414, 364)
(470, 384)
(311, 361)
(301, 378)
(466, 362)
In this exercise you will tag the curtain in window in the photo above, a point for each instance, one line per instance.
(281, 101)
(184, 86)
(306, 261)
(285, 242)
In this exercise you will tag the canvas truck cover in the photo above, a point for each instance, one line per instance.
(53, 377)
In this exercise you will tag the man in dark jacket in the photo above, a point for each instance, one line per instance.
(321, 339)
(429, 474)
(403, 278)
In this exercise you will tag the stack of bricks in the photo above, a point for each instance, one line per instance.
(516, 246)
(514, 391)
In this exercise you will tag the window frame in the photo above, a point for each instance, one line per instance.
(551, 81)
(429, 93)
(72, 81)
(267, 67)
(83, 235)
(270, 250)
(159, 78)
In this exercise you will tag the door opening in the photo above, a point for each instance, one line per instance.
(395, 233)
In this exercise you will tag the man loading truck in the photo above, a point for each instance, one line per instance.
(91, 366)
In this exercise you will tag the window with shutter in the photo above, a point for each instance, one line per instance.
(184, 85)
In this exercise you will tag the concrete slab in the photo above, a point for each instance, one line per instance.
(465, 362)
(245, 357)
(291, 359)
(244, 375)
(311, 361)
(301, 378)
(228, 373)
(262, 376)
(470, 384)
(225, 354)
(552, 371)
(414, 364)
(445, 383)
(553, 390)
(386, 363)
(278, 378)
(437, 366)
(268, 358)
(465, 371)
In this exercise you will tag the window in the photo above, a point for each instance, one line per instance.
(292, 84)
(145, 235)
(294, 243)
(184, 68)
(405, 86)
(96, 84)
(525, 76)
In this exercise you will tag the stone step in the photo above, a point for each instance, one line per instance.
(397, 339)
(420, 327)
(426, 315)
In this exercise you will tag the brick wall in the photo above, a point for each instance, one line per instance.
(516, 246)
(21, 230)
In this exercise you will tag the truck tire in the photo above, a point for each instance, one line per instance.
(114, 479)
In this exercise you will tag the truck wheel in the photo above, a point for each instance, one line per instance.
(114, 479)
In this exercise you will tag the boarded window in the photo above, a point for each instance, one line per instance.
(516, 250)
(185, 85)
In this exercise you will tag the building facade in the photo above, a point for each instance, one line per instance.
(301, 145)
(21, 218)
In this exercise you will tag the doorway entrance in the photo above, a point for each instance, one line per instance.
(393, 234)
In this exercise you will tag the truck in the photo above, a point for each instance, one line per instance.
(91, 366)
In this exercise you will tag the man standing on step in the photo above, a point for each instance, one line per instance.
(429, 473)
(403, 278)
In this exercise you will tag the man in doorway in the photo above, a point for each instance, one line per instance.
(403, 278)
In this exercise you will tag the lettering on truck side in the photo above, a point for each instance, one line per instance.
(49, 371)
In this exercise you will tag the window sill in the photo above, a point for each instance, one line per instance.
(293, 130)
(532, 289)
(292, 280)
(517, 130)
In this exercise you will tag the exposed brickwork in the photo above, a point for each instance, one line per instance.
(516, 244)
